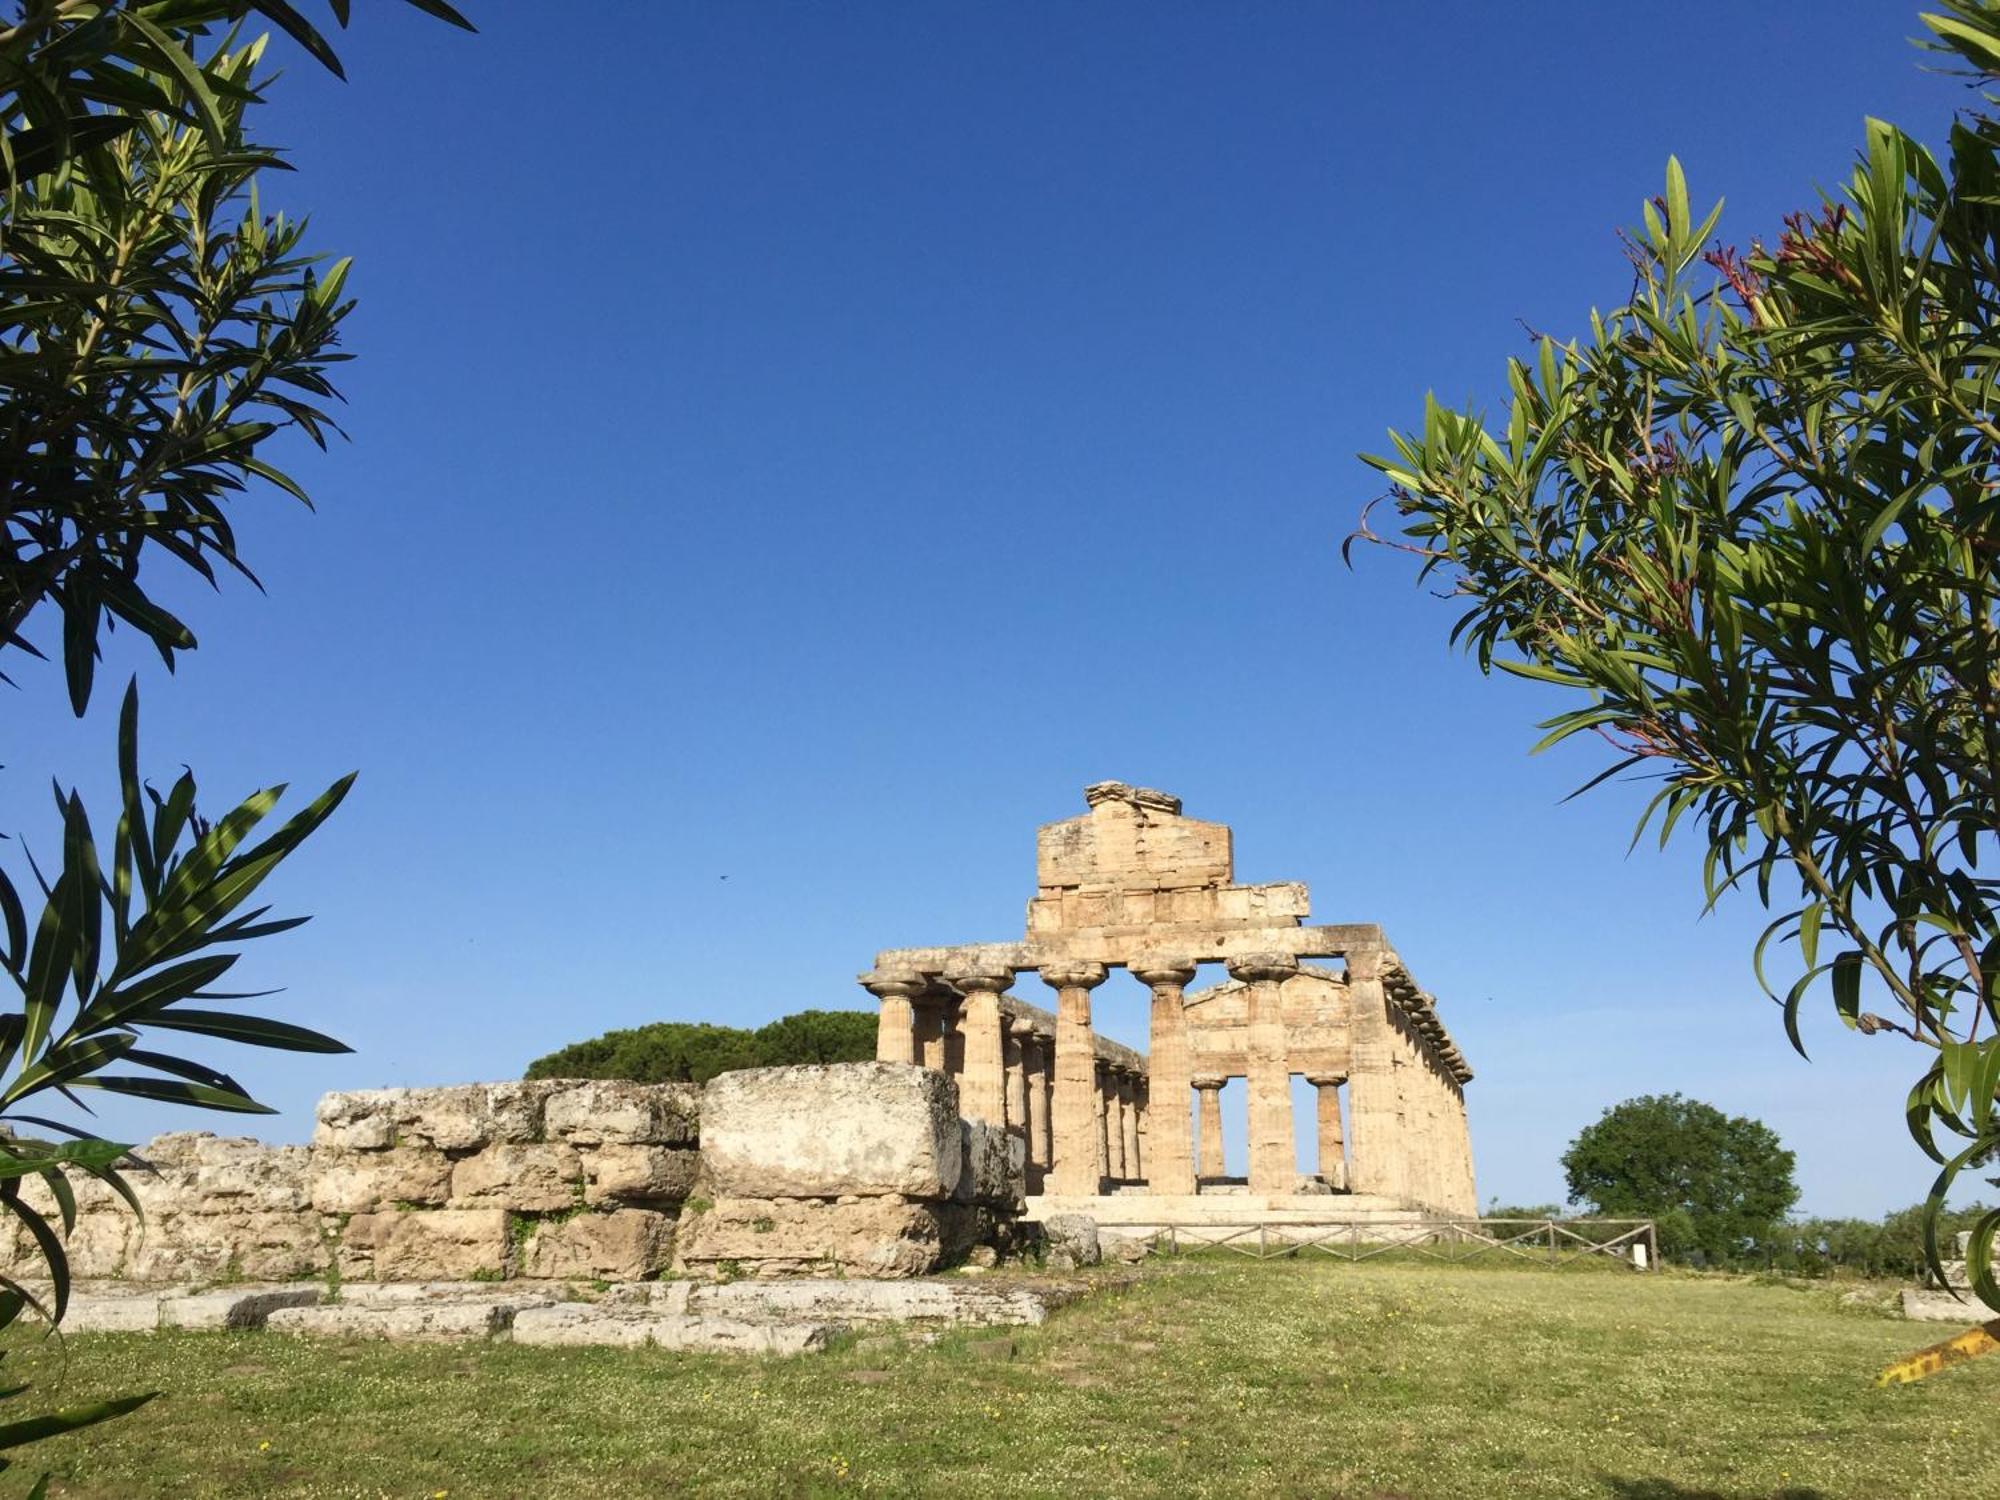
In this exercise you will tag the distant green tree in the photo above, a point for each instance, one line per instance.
(1715, 1183)
(695, 1051)
(818, 1036)
(660, 1052)
(1892, 1246)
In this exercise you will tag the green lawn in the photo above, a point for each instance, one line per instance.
(1209, 1377)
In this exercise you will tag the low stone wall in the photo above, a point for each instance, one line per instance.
(215, 1210)
(544, 1179)
(863, 1168)
(856, 1168)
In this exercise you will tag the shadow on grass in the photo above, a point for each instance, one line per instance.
(1666, 1489)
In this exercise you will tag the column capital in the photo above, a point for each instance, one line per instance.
(1158, 969)
(1072, 975)
(1207, 1081)
(1252, 968)
(1022, 1027)
(1326, 1080)
(885, 983)
(972, 981)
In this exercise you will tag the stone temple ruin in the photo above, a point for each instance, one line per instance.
(1134, 884)
(771, 1207)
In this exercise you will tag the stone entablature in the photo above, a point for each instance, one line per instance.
(1134, 884)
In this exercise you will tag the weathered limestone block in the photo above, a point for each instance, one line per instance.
(832, 1129)
(575, 1324)
(205, 1246)
(633, 1114)
(1071, 1241)
(948, 1302)
(449, 1244)
(99, 1246)
(996, 1166)
(365, 1182)
(638, 1174)
(235, 1307)
(536, 1178)
(886, 1236)
(627, 1244)
(421, 1322)
(210, 1174)
(457, 1119)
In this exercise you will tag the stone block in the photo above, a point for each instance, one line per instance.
(113, 1313)
(794, 1236)
(583, 1324)
(627, 1244)
(457, 1119)
(416, 1322)
(638, 1174)
(532, 1178)
(943, 1303)
(995, 1168)
(205, 1247)
(1071, 1241)
(197, 1171)
(831, 1129)
(580, 1324)
(1943, 1307)
(603, 1111)
(447, 1244)
(233, 1307)
(364, 1182)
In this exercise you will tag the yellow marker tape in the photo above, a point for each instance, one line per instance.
(1968, 1345)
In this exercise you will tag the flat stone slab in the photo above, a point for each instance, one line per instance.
(239, 1307)
(414, 1322)
(577, 1323)
(1942, 1307)
(852, 1300)
(111, 1308)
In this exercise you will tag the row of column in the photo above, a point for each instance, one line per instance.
(1084, 1120)
(1080, 1116)
(1406, 1113)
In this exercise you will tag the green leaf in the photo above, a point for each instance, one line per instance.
(169, 54)
(168, 1091)
(69, 1419)
(1847, 985)
(253, 1031)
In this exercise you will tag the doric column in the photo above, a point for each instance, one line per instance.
(1040, 1054)
(1332, 1149)
(1128, 1117)
(1209, 1087)
(1016, 1045)
(982, 1083)
(1373, 1146)
(896, 1030)
(1273, 1153)
(1073, 1115)
(930, 1031)
(1170, 1134)
(1107, 1167)
(1142, 1164)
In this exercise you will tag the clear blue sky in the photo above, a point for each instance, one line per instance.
(806, 444)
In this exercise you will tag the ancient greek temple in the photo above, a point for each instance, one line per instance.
(1133, 884)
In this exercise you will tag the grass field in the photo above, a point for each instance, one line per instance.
(1209, 1377)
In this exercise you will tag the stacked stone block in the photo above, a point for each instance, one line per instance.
(494, 1181)
(856, 1169)
(215, 1210)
